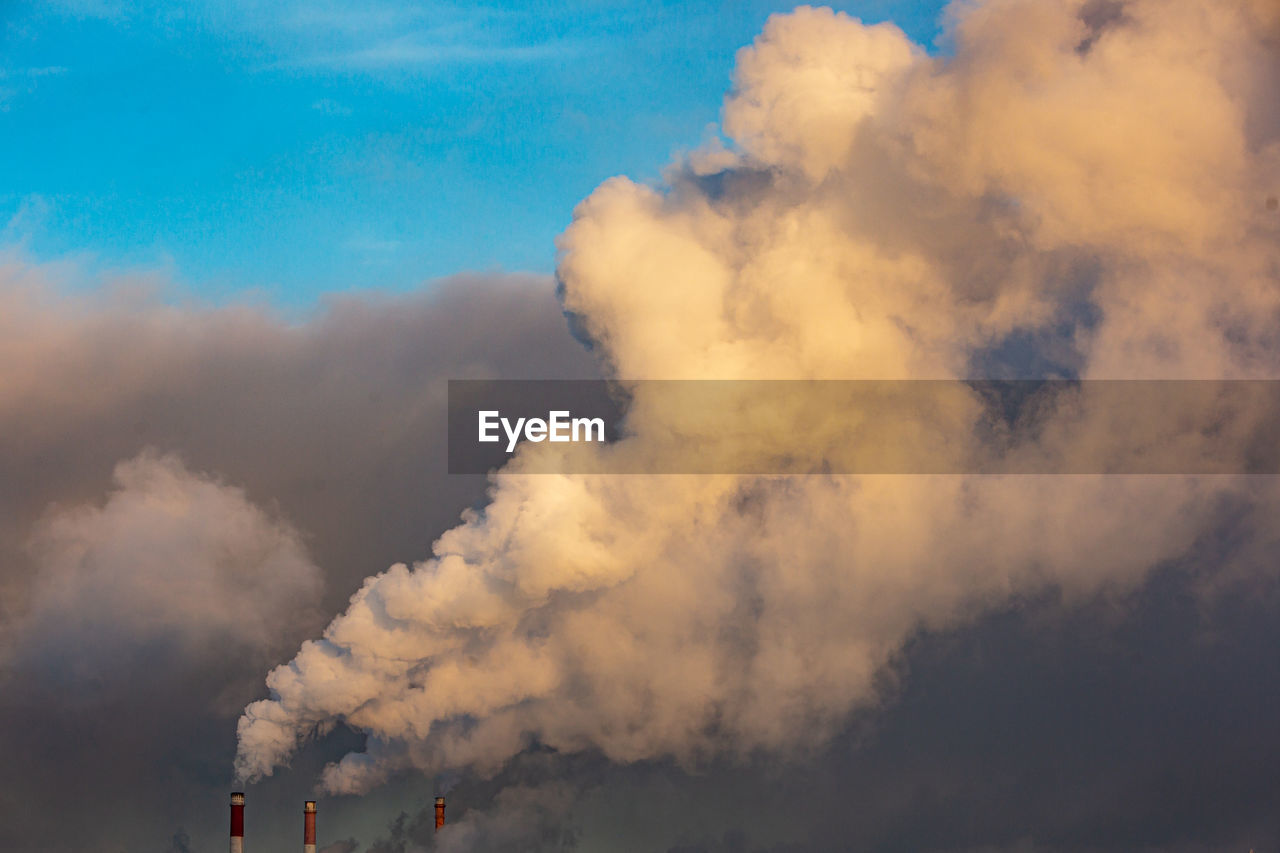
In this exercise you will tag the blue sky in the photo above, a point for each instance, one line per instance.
(282, 150)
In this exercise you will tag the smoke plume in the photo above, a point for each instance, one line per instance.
(1076, 188)
(186, 494)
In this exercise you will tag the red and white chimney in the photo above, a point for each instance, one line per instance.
(309, 826)
(439, 813)
(237, 822)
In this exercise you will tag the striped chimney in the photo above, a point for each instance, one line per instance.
(309, 826)
(237, 822)
(439, 813)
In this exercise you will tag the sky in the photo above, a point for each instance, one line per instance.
(247, 245)
(282, 151)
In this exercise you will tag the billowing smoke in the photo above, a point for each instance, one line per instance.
(186, 494)
(1076, 188)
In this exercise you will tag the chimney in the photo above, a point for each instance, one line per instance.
(237, 822)
(439, 813)
(309, 826)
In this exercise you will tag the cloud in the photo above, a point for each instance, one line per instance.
(888, 215)
(330, 107)
(368, 38)
(173, 560)
(419, 51)
(184, 492)
(1074, 664)
(789, 107)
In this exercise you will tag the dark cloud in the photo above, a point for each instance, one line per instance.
(1061, 670)
(1134, 723)
(1128, 722)
(139, 613)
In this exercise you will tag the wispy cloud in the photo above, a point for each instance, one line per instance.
(33, 73)
(330, 107)
(16, 82)
(108, 10)
(408, 51)
(374, 36)
(371, 245)
(363, 19)
(29, 217)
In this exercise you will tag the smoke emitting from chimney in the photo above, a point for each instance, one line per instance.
(309, 826)
(785, 599)
(237, 822)
(439, 813)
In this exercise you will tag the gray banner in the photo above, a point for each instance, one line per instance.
(865, 427)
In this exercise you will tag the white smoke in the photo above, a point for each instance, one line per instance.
(1091, 179)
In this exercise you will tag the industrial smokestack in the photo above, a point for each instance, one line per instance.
(439, 813)
(237, 822)
(309, 826)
